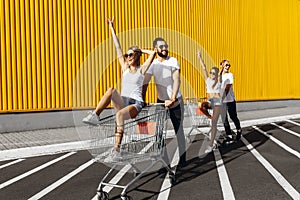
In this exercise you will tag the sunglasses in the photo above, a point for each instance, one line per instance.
(128, 55)
(162, 46)
(227, 65)
(213, 73)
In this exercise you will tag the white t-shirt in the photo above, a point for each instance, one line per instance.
(227, 78)
(210, 83)
(132, 85)
(162, 72)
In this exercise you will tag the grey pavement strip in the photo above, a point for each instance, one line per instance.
(42, 150)
(32, 151)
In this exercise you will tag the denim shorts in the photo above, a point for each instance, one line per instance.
(129, 101)
(215, 102)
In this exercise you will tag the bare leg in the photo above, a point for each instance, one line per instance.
(122, 115)
(215, 117)
(203, 107)
(110, 95)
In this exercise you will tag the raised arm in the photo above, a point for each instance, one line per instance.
(205, 73)
(220, 74)
(117, 44)
(149, 60)
(147, 79)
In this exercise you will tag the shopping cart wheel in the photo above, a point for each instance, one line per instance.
(172, 179)
(126, 197)
(102, 195)
(135, 174)
(188, 139)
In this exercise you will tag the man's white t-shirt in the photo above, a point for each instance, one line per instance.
(227, 78)
(162, 73)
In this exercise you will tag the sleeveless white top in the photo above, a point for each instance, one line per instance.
(210, 89)
(132, 85)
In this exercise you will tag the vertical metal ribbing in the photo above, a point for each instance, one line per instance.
(44, 43)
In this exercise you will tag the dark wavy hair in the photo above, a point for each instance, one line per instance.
(156, 40)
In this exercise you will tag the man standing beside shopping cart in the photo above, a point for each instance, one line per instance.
(166, 72)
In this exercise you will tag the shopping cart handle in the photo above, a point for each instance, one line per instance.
(195, 98)
(155, 104)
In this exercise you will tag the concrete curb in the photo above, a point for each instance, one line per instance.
(83, 145)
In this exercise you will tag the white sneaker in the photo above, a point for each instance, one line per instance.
(92, 119)
(210, 149)
(114, 156)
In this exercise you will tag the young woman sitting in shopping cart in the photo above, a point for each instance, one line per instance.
(213, 88)
(130, 102)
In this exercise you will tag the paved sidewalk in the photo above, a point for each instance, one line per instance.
(65, 139)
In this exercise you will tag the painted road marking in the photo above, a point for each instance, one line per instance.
(279, 143)
(61, 181)
(292, 122)
(11, 181)
(11, 163)
(278, 177)
(223, 177)
(287, 130)
(166, 185)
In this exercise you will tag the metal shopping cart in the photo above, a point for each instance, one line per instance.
(200, 122)
(143, 141)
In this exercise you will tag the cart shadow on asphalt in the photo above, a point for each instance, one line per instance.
(196, 166)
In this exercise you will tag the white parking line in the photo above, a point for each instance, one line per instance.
(61, 181)
(11, 163)
(292, 122)
(166, 185)
(223, 177)
(7, 183)
(287, 130)
(279, 143)
(278, 177)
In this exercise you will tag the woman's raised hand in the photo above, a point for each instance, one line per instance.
(199, 54)
(110, 21)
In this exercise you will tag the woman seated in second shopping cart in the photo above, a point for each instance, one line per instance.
(213, 89)
(130, 102)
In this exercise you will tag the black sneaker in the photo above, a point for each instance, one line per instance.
(228, 140)
(238, 135)
(164, 170)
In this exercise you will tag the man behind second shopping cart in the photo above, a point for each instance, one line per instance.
(166, 72)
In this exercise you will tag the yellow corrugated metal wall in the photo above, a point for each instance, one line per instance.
(44, 46)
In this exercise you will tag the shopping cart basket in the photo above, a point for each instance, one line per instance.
(198, 119)
(143, 140)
